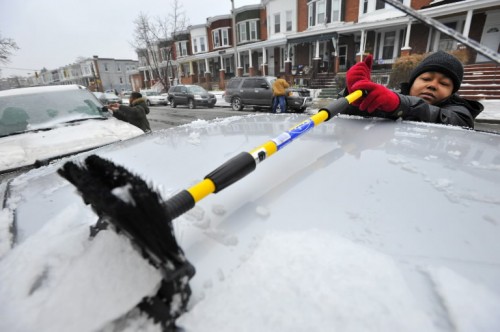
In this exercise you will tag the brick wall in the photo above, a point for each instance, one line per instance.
(302, 15)
(351, 10)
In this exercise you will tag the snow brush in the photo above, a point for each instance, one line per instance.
(131, 207)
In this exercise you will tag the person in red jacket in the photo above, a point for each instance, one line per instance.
(429, 96)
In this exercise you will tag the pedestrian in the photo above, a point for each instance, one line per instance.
(135, 113)
(429, 96)
(279, 92)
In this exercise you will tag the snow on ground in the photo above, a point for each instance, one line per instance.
(491, 110)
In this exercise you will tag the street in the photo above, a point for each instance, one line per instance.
(162, 117)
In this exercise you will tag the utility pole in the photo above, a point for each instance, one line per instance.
(234, 40)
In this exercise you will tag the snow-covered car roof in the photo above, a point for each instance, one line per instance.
(40, 89)
(360, 224)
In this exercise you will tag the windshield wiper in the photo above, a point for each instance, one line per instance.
(52, 126)
(26, 131)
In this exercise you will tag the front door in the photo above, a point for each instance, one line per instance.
(491, 35)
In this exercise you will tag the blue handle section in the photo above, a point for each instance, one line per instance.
(288, 136)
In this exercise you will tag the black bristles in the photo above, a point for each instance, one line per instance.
(126, 202)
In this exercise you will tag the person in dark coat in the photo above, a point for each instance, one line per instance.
(135, 113)
(429, 96)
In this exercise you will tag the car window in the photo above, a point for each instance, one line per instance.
(260, 83)
(24, 112)
(196, 89)
(248, 84)
(233, 84)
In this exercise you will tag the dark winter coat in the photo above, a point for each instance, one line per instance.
(455, 110)
(134, 114)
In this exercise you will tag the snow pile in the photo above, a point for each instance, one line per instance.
(285, 287)
(60, 280)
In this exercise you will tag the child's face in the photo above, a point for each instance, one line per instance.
(432, 87)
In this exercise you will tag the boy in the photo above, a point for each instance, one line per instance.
(429, 96)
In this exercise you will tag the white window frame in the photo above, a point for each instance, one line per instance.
(316, 12)
(242, 32)
(195, 45)
(216, 38)
(181, 48)
(336, 10)
(225, 37)
(277, 22)
(203, 47)
(253, 30)
(289, 21)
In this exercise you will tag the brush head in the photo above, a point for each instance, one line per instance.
(127, 203)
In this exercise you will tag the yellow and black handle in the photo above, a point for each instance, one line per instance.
(244, 163)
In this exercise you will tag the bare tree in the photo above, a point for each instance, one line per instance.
(155, 38)
(7, 46)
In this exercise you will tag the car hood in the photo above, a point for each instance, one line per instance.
(358, 223)
(26, 149)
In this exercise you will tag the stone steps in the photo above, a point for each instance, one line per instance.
(481, 81)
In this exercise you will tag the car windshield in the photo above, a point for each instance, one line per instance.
(151, 93)
(39, 110)
(196, 89)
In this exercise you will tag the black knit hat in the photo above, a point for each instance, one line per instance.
(443, 63)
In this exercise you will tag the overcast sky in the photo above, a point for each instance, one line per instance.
(54, 33)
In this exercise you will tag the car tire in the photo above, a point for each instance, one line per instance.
(236, 104)
(148, 102)
(191, 104)
(211, 105)
(173, 103)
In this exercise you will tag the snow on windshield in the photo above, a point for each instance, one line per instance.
(21, 112)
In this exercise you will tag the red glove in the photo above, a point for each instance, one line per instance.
(378, 97)
(358, 72)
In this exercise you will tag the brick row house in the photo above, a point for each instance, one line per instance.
(306, 39)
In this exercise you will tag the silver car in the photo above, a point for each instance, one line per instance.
(358, 225)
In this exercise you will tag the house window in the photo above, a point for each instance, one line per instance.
(289, 20)
(336, 10)
(446, 43)
(118, 68)
(181, 48)
(317, 12)
(365, 6)
(202, 44)
(277, 23)
(389, 42)
(321, 12)
(379, 5)
(225, 37)
(195, 45)
(253, 30)
(105, 67)
(242, 32)
(216, 38)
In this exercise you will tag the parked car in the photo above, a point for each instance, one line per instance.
(359, 225)
(257, 91)
(107, 98)
(154, 98)
(190, 95)
(41, 124)
(126, 97)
